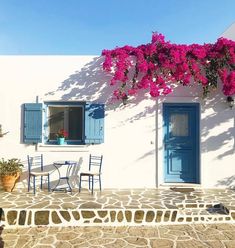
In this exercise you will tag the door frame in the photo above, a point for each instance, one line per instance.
(195, 107)
(160, 136)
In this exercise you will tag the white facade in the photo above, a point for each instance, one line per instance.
(133, 135)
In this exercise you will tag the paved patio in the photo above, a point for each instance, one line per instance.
(118, 207)
(117, 198)
(166, 236)
(177, 217)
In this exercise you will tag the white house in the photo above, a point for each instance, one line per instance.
(74, 91)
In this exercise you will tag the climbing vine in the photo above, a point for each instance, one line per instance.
(156, 65)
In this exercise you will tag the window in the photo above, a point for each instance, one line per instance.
(83, 121)
(67, 117)
(179, 124)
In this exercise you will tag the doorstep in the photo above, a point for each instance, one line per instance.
(179, 185)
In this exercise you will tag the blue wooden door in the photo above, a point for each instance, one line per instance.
(181, 142)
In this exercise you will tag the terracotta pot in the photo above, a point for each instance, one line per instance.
(9, 181)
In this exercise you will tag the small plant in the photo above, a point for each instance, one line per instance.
(62, 134)
(10, 167)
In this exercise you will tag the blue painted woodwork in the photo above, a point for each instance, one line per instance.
(94, 123)
(181, 142)
(32, 123)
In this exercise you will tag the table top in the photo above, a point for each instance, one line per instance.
(62, 162)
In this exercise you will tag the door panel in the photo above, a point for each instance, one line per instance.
(181, 142)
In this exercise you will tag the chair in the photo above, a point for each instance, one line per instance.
(37, 162)
(95, 163)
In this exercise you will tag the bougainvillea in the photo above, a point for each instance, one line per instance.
(156, 65)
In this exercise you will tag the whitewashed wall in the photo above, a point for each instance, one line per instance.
(229, 33)
(133, 133)
(129, 156)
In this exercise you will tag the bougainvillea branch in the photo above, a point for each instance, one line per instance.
(158, 64)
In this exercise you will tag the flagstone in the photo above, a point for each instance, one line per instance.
(161, 243)
(229, 244)
(41, 204)
(191, 244)
(66, 236)
(63, 244)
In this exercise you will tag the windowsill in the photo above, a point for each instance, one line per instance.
(65, 145)
(61, 148)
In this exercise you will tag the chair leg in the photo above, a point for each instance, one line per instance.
(48, 183)
(80, 183)
(34, 185)
(100, 182)
(29, 183)
(89, 179)
(92, 184)
(41, 183)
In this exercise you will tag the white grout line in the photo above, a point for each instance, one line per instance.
(124, 222)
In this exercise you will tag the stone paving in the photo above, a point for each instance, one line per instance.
(117, 207)
(118, 199)
(44, 219)
(174, 236)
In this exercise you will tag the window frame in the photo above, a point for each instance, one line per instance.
(46, 106)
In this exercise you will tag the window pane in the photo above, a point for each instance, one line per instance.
(56, 121)
(179, 125)
(75, 123)
(68, 118)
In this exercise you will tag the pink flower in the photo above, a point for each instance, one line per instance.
(113, 81)
(119, 75)
(144, 82)
(132, 92)
(167, 90)
(143, 66)
(157, 37)
(153, 66)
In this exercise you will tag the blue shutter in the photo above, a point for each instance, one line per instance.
(94, 123)
(32, 123)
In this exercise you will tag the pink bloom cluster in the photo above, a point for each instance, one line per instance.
(159, 64)
(228, 79)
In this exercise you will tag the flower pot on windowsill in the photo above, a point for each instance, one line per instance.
(60, 141)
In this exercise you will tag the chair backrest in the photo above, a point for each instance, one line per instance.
(95, 161)
(36, 162)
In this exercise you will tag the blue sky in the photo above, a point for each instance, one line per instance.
(86, 27)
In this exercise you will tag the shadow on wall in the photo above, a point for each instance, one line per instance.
(228, 182)
(88, 84)
(91, 83)
(220, 115)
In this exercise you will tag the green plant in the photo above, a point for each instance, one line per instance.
(10, 166)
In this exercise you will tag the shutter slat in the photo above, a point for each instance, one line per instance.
(32, 123)
(94, 123)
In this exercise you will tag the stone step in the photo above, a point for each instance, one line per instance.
(115, 217)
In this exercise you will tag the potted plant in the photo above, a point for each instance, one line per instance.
(61, 136)
(9, 172)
